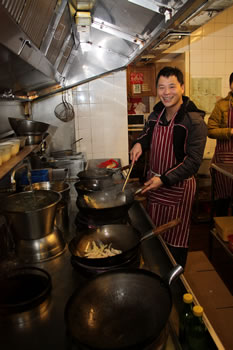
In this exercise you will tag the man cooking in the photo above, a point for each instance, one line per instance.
(176, 135)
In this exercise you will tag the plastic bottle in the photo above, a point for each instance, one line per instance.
(197, 336)
(185, 319)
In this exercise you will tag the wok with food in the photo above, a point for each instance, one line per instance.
(122, 240)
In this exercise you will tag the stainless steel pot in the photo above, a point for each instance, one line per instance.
(31, 214)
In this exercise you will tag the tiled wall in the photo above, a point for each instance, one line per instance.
(210, 51)
(101, 117)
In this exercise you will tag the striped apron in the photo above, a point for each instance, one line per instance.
(168, 203)
(224, 154)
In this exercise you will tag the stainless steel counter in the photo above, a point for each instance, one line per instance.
(44, 327)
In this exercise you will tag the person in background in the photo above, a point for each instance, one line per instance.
(175, 134)
(220, 127)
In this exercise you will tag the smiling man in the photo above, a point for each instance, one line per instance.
(176, 135)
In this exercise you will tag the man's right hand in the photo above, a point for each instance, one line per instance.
(135, 152)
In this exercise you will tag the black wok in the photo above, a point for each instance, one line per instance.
(107, 203)
(120, 309)
(84, 187)
(122, 237)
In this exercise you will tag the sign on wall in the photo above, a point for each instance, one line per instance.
(205, 92)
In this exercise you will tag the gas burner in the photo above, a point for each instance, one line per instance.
(83, 222)
(41, 249)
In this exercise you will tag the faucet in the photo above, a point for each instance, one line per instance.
(24, 165)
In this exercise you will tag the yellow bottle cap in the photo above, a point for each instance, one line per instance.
(198, 310)
(187, 298)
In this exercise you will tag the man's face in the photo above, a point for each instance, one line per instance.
(170, 91)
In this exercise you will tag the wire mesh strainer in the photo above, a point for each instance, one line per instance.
(64, 111)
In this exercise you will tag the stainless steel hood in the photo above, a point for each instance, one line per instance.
(59, 43)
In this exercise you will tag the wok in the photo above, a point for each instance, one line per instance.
(86, 186)
(120, 309)
(122, 237)
(107, 203)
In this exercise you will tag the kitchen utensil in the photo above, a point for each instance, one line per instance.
(64, 111)
(31, 214)
(121, 196)
(122, 237)
(102, 204)
(84, 187)
(57, 186)
(120, 309)
(27, 127)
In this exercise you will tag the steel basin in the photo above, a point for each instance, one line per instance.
(31, 214)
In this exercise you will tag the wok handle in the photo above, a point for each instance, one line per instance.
(160, 229)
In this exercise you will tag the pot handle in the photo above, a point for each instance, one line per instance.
(160, 229)
(173, 274)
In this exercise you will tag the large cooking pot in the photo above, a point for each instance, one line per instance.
(107, 203)
(57, 186)
(120, 309)
(31, 214)
(121, 237)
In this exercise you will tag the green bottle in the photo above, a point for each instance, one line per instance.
(197, 337)
(185, 319)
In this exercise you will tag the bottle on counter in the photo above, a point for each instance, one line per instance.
(197, 336)
(185, 319)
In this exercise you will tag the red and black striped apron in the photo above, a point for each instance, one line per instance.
(168, 203)
(224, 154)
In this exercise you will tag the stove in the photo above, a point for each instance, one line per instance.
(83, 221)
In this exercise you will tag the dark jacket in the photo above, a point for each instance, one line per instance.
(189, 139)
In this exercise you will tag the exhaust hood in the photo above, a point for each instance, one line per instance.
(51, 45)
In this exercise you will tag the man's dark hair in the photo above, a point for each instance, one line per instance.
(231, 78)
(169, 71)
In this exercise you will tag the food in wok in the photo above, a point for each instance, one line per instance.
(99, 250)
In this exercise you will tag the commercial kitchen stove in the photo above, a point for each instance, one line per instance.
(44, 328)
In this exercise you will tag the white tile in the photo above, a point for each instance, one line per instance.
(208, 43)
(208, 68)
(196, 70)
(208, 29)
(80, 97)
(196, 56)
(83, 110)
(220, 29)
(195, 42)
(220, 43)
(83, 87)
(84, 123)
(221, 18)
(220, 56)
(219, 69)
(207, 56)
(229, 43)
(229, 29)
(96, 97)
(96, 110)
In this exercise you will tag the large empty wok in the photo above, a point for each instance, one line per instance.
(122, 237)
(120, 309)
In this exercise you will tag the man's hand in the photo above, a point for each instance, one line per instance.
(135, 152)
(153, 184)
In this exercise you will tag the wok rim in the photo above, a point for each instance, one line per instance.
(135, 271)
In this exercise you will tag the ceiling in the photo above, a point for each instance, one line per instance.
(57, 44)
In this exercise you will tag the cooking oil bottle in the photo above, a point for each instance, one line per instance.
(197, 333)
(185, 319)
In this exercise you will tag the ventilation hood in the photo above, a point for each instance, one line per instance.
(50, 45)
